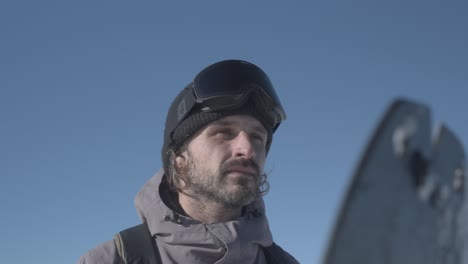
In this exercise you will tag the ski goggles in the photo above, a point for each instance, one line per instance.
(228, 85)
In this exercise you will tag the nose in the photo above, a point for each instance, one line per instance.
(243, 147)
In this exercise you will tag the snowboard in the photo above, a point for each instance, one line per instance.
(405, 201)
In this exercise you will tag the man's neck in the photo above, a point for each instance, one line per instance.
(207, 211)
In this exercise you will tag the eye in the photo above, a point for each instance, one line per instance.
(224, 132)
(259, 138)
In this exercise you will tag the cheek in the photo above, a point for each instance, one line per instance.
(210, 155)
(217, 150)
(261, 157)
(210, 151)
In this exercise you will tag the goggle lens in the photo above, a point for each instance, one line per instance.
(227, 83)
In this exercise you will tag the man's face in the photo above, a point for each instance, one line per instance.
(225, 159)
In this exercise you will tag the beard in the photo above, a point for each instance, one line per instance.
(217, 186)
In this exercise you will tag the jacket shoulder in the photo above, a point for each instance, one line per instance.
(274, 254)
(105, 253)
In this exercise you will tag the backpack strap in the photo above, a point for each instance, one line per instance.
(135, 245)
(274, 254)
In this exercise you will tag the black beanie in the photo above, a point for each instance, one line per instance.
(197, 119)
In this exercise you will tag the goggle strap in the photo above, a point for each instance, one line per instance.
(184, 106)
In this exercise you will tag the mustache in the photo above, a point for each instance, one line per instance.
(241, 163)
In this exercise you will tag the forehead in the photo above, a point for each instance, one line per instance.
(241, 121)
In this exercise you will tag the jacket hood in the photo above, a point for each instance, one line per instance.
(184, 240)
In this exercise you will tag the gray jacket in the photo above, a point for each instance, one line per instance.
(184, 240)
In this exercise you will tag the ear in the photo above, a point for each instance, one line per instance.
(180, 160)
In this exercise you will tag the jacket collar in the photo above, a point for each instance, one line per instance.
(228, 237)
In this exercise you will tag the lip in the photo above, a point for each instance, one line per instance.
(247, 170)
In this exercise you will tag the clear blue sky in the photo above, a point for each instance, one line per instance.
(85, 86)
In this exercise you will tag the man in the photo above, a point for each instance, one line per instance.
(206, 205)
